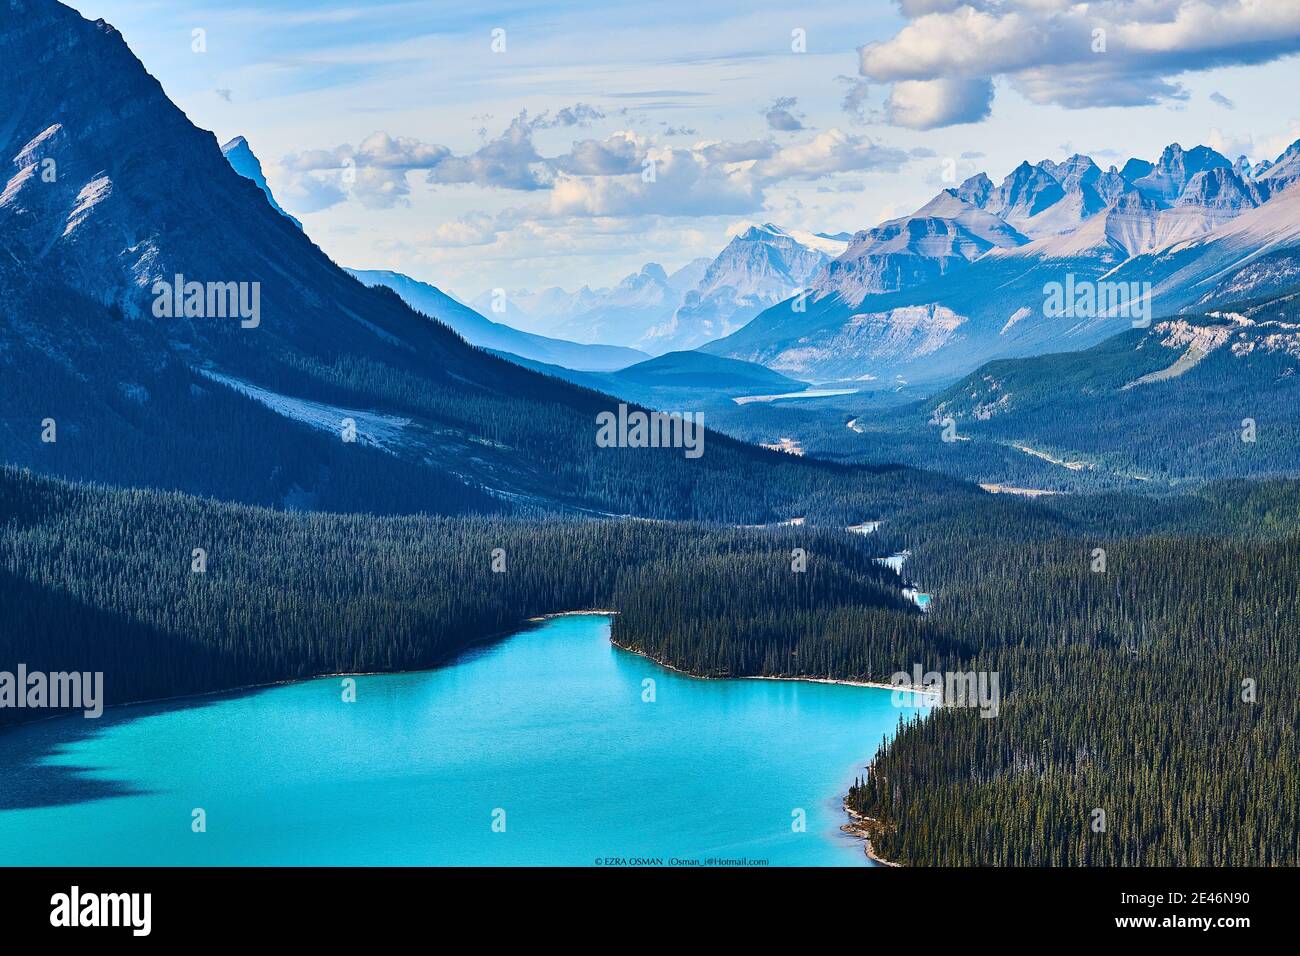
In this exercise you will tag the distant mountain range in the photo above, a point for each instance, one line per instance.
(658, 312)
(165, 326)
(962, 280)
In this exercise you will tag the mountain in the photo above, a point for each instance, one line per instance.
(944, 234)
(267, 374)
(965, 279)
(758, 268)
(537, 312)
(1143, 410)
(243, 161)
(625, 311)
(661, 312)
(1183, 390)
(477, 330)
(1170, 176)
(679, 381)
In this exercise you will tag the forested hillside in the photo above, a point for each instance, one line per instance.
(1192, 398)
(102, 580)
(1161, 692)
(1122, 690)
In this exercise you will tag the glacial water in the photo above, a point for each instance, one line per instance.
(541, 749)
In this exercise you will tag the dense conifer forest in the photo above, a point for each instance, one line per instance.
(106, 580)
(1159, 691)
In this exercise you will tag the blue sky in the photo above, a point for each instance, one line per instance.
(403, 141)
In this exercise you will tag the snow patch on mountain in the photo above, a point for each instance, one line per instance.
(384, 432)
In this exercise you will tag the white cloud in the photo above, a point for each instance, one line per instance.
(719, 151)
(472, 230)
(1233, 145)
(684, 183)
(509, 162)
(832, 151)
(927, 104)
(621, 153)
(1107, 53)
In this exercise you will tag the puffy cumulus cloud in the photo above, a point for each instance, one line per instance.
(621, 175)
(398, 152)
(926, 104)
(307, 193)
(780, 115)
(372, 172)
(1266, 147)
(1230, 145)
(314, 160)
(619, 154)
(378, 187)
(716, 178)
(510, 161)
(678, 182)
(1105, 53)
(832, 151)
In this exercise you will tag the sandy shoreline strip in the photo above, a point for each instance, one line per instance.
(860, 827)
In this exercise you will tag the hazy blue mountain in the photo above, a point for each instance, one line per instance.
(758, 268)
(660, 312)
(480, 331)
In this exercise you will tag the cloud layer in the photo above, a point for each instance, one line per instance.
(942, 64)
(623, 174)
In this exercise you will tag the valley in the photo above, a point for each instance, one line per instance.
(1042, 432)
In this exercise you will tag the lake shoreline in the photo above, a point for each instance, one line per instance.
(879, 685)
(859, 826)
(486, 641)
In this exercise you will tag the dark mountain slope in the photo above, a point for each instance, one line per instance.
(259, 413)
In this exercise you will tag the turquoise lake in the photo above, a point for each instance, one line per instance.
(548, 726)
